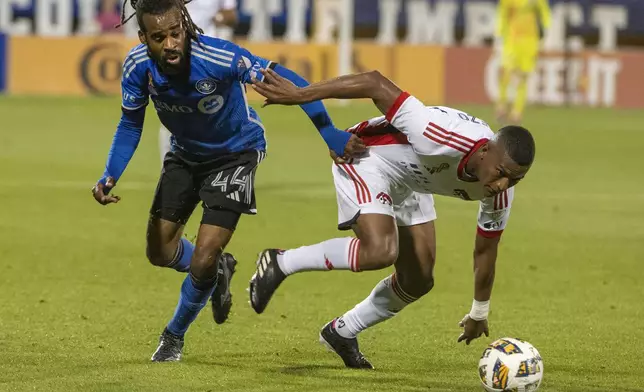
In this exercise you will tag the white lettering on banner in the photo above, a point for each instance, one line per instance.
(533, 87)
(480, 19)
(261, 12)
(327, 20)
(555, 77)
(388, 24)
(54, 17)
(568, 14)
(602, 77)
(8, 25)
(552, 81)
(491, 76)
(608, 19)
(431, 25)
(428, 22)
(296, 23)
(87, 13)
(574, 85)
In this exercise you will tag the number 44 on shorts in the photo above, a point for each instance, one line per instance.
(237, 185)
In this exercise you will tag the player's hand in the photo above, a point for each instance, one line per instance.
(338, 160)
(102, 194)
(355, 146)
(276, 89)
(472, 329)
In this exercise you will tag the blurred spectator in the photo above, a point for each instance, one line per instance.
(217, 18)
(109, 16)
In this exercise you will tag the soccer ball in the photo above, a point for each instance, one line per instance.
(511, 365)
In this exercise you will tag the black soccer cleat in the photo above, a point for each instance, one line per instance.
(170, 348)
(347, 349)
(221, 299)
(266, 279)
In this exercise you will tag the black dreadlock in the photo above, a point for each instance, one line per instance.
(157, 7)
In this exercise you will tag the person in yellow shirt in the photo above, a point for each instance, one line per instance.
(518, 33)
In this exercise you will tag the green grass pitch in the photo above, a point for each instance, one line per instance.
(81, 308)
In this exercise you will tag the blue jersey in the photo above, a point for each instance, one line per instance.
(209, 113)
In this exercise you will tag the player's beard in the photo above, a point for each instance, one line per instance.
(173, 62)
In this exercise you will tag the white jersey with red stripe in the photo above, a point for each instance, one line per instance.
(425, 149)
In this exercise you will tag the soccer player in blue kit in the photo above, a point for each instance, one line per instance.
(196, 83)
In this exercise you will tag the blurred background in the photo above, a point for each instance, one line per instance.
(444, 49)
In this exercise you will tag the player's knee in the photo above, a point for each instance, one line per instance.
(419, 286)
(425, 285)
(204, 262)
(416, 283)
(160, 256)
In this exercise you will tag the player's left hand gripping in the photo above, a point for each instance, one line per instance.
(355, 146)
(353, 149)
(102, 194)
(472, 329)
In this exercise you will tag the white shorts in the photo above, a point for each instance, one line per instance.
(365, 187)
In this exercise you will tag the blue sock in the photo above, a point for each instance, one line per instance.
(191, 301)
(183, 256)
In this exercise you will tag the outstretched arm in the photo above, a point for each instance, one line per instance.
(494, 213)
(485, 252)
(475, 322)
(337, 141)
(372, 85)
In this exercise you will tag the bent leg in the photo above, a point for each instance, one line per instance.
(200, 282)
(375, 247)
(412, 279)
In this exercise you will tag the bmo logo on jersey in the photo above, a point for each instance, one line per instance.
(211, 104)
(161, 106)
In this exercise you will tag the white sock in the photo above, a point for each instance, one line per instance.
(338, 253)
(384, 302)
(164, 142)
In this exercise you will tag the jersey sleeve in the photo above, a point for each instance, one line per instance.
(494, 213)
(133, 81)
(246, 66)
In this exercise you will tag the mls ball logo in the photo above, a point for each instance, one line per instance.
(243, 63)
(206, 86)
(211, 104)
(492, 225)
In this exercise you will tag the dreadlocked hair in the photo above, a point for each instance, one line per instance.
(157, 7)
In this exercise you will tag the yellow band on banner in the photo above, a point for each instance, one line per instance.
(92, 65)
(66, 66)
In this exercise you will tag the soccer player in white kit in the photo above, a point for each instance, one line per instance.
(385, 196)
(217, 18)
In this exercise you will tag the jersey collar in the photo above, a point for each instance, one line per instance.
(461, 165)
